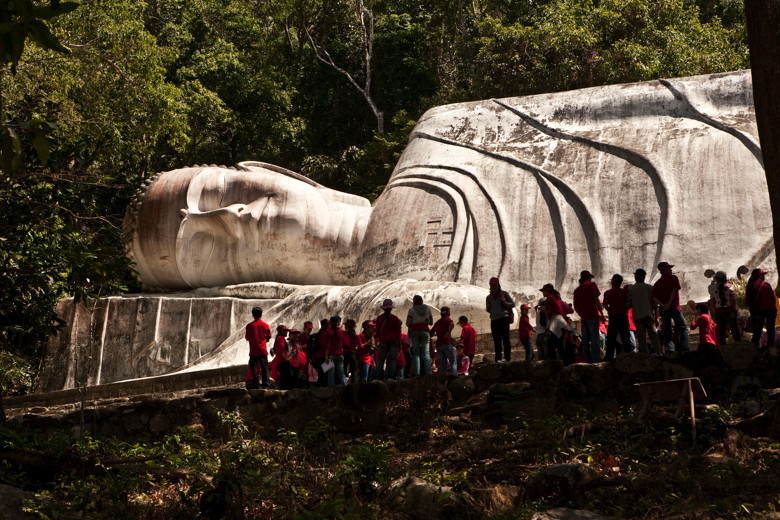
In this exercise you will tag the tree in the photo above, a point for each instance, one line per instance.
(365, 16)
(763, 26)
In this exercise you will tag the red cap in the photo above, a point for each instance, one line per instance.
(494, 280)
(664, 265)
(282, 328)
(586, 275)
(525, 306)
(294, 331)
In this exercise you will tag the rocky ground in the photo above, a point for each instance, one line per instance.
(516, 440)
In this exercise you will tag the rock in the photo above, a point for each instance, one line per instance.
(13, 501)
(562, 482)
(585, 380)
(418, 498)
(462, 388)
(497, 499)
(637, 364)
(563, 513)
(739, 356)
(750, 408)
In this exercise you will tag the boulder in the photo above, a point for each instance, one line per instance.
(563, 513)
(562, 482)
(13, 501)
(418, 498)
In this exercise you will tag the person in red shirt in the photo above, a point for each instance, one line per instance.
(282, 357)
(350, 342)
(322, 353)
(365, 352)
(303, 337)
(468, 338)
(335, 340)
(442, 330)
(763, 309)
(388, 331)
(404, 355)
(666, 293)
(615, 303)
(586, 303)
(298, 362)
(524, 330)
(257, 334)
(463, 361)
(707, 329)
(553, 312)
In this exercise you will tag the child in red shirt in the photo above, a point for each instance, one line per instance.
(463, 361)
(468, 338)
(365, 352)
(525, 330)
(707, 328)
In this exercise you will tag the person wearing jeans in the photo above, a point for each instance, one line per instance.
(500, 306)
(442, 329)
(418, 320)
(666, 293)
(586, 303)
(388, 330)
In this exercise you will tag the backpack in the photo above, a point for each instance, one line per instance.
(566, 308)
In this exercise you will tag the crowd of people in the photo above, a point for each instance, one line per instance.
(339, 354)
(626, 318)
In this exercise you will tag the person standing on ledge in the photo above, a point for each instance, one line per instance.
(666, 293)
(588, 306)
(388, 331)
(500, 306)
(419, 320)
(257, 334)
(762, 307)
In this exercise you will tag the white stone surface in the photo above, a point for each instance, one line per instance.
(531, 189)
(152, 335)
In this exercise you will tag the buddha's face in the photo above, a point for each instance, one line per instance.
(249, 225)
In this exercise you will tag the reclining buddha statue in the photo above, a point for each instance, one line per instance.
(531, 189)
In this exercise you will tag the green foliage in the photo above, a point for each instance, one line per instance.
(366, 468)
(232, 425)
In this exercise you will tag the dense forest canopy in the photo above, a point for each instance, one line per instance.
(161, 84)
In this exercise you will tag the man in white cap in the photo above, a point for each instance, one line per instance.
(388, 331)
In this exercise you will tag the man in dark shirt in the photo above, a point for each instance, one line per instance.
(666, 293)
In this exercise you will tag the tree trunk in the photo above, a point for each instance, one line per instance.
(763, 25)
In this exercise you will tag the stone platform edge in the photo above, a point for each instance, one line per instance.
(224, 377)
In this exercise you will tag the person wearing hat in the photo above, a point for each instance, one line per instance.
(724, 304)
(617, 311)
(257, 334)
(524, 330)
(388, 331)
(666, 293)
(298, 361)
(555, 327)
(640, 301)
(500, 306)
(763, 310)
(365, 351)
(588, 306)
(280, 366)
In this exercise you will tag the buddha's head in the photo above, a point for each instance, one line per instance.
(211, 226)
